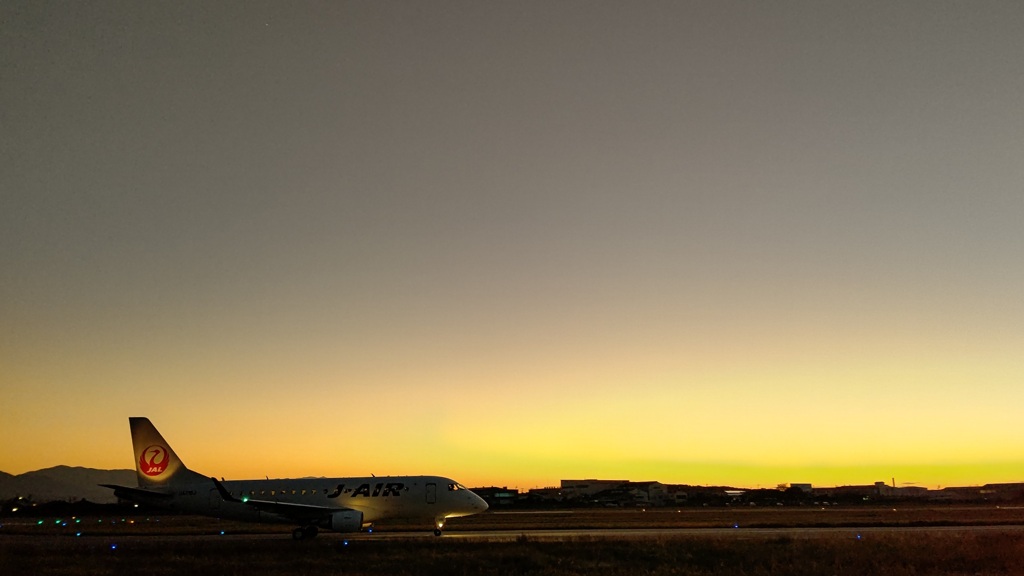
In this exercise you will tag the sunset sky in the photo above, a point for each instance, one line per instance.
(741, 243)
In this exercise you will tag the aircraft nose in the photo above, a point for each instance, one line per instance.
(477, 503)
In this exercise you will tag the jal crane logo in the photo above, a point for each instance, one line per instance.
(153, 461)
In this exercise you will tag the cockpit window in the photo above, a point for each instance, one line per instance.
(456, 486)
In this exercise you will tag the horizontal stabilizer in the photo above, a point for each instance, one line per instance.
(138, 494)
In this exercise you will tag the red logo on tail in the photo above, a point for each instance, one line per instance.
(153, 461)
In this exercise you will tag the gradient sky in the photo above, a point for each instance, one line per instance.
(740, 243)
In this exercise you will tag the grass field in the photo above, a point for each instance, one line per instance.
(155, 546)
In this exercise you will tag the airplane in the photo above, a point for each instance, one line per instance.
(337, 504)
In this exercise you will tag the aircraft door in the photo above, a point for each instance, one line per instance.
(431, 493)
(215, 500)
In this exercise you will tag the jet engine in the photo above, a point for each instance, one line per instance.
(346, 521)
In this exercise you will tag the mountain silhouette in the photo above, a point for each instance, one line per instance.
(66, 483)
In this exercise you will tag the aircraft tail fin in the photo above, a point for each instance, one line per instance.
(156, 464)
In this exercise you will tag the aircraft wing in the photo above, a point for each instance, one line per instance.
(288, 509)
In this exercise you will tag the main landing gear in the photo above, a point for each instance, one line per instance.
(304, 533)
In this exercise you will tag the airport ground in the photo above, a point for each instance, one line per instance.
(939, 540)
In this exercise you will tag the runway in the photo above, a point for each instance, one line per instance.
(541, 535)
(668, 533)
(560, 526)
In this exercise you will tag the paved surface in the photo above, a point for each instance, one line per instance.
(654, 533)
(546, 535)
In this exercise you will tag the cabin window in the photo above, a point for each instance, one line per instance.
(293, 492)
(314, 491)
(263, 492)
(303, 492)
(273, 492)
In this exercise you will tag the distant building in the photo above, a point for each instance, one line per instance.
(624, 493)
(546, 494)
(988, 492)
(497, 497)
(579, 489)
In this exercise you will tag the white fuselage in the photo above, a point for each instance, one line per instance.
(432, 498)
